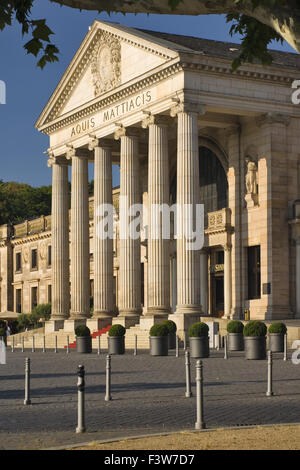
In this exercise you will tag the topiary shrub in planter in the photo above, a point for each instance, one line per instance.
(255, 340)
(83, 339)
(277, 330)
(199, 341)
(159, 340)
(116, 339)
(235, 335)
(171, 325)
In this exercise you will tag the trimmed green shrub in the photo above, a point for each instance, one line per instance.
(82, 330)
(171, 325)
(2, 332)
(255, 328)
(278, 327)
(235, 326)
(117, 330)
(198, 329)
(159, 330)
(23, 321)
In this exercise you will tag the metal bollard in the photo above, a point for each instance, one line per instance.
(68, 344)
(285, 358)
(55, 347)
(135, 345)
(22, 343)
(81, 415)
(270, 375)
(33, 345)
(108, 379)
(12, 344)
(177, 346)
(27, 400)
(225, 348)
(200, 424)
(184, 341)
(188, 392)
(44, 343)
(99, 348)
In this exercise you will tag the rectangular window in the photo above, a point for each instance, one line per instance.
(18, 262)
(34, 297)
(49, 293)
(19, 300)
(49, 255)
(34, 259)
(91, 293)
(254, 288)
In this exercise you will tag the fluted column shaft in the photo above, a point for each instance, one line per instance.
(130, 256)
(80, 253)
(204, 281)
(227, 281)
(103, 247)
(60, 242)
(158, 194)
(188, 193)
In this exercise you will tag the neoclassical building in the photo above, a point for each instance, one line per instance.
(185, 128)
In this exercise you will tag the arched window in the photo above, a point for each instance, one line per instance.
(212, 180)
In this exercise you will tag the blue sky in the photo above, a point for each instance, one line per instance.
(29, 88)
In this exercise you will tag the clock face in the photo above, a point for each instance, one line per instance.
(105, 65)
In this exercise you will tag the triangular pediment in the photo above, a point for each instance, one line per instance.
(110, 56)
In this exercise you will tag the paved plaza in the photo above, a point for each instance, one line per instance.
(148, 396)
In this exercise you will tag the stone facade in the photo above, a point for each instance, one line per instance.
(183, 127)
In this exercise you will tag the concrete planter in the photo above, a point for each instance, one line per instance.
(235, 342)
(276, 342)
(172, 340)
(199, 346)
(159, 345)
(255, 347)
(116, 344)
(84, 344)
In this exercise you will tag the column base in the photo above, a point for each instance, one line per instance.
(96, 324)
(71, 324)
(148, 320)
(183, 321)
(125, 321)
(54, 325)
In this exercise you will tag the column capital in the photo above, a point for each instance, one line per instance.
(227, 247)
(122, 131)
(186, 107)
(55, 160)
(75, 152)
(273, 118)
(155, 119)
(95, 142)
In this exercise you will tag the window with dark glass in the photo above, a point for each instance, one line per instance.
(49, 255)
(18, 262)
(254, 288)
(19, 300)
(34, 297)
(34, 259)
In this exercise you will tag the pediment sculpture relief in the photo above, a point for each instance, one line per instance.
(106, 61)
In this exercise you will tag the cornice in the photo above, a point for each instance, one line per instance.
(113, 98)
(33, 238)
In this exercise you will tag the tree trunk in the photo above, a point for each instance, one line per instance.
(284, 19)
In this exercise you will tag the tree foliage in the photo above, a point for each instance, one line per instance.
(19, 202)
(253, 26)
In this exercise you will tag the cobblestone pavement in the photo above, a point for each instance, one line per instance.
(148, 396)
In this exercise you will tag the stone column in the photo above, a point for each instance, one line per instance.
(130, 251)
(103, 235)
(204, 281)
(297, 278)
(227, 281)
(158, 304)
(188, 267)
(60, 245)
(80, 253)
